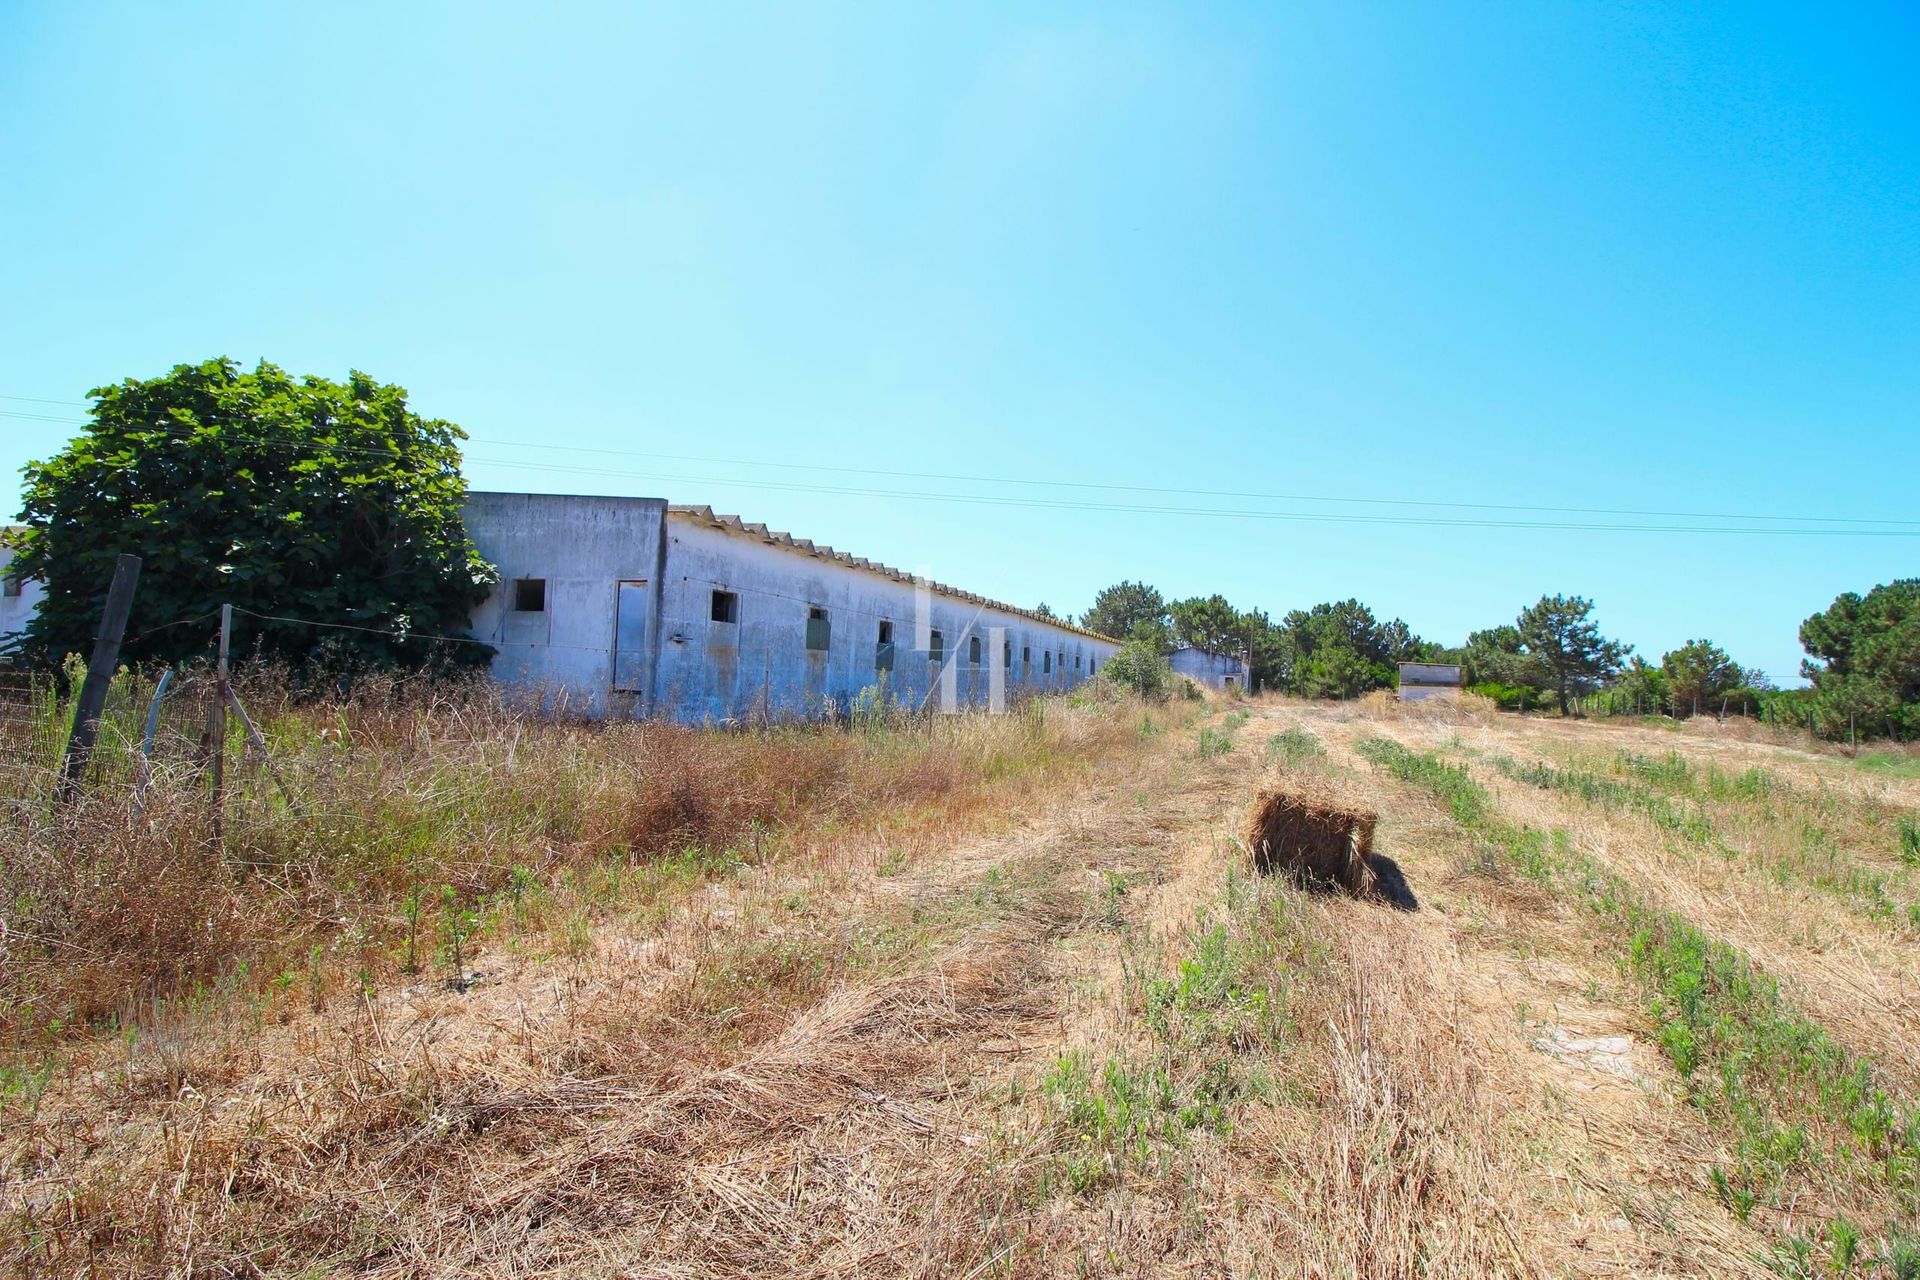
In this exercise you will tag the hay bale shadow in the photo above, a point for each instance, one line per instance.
(1323, 842)
(1391, 886)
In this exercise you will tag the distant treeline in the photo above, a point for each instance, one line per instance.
(1863, 658)
(253, 488)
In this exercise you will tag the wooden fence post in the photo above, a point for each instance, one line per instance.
(93, 691)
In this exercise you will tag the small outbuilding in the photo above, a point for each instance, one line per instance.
(1422, 680)
(1222, 671)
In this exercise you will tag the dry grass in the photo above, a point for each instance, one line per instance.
(414, 809)
(969, 999)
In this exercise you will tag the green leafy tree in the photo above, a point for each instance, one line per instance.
(1339, 672)
(1339, 649)
(305, 498)
(1643, 686)
(1560, 633)
(1140, 667)
(1497, 656)
(1863, 657)
(1120, 608)
(1699, 673)
(1269, 653)
(1210, 624)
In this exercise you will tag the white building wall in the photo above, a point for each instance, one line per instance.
(15, 610)
(1214, 670)
(698, 670)
(1422, 680)
(714, 671)
(582, 548)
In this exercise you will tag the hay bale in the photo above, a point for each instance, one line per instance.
(1315, 836)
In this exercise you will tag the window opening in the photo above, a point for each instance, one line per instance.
(726, 606)
(529, 595)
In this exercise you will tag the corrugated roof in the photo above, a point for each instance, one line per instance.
(779, 538)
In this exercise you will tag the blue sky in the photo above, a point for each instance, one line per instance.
(1647, 257)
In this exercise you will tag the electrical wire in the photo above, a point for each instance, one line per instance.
(1855, 526)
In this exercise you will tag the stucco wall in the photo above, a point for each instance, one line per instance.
(1210, 669)
(16, 610)
(1422, 680)
(583, 548)
(699, 670)
(713, 671)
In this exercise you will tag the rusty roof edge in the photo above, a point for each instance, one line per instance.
(734, 524)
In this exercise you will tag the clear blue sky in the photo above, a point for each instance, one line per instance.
(1663, 257)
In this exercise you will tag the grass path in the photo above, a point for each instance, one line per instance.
(1551, 1022)
(1072, 1037)
(1864, 975)
(1817, 1142)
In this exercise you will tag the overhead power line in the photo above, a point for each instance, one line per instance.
(1773, 524)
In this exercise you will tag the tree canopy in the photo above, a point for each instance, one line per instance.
(1560, 634)
(299, 497)
(1863, 657)
(1123, 609)
(1697, 673)
(1341, 650)
(1209, 624)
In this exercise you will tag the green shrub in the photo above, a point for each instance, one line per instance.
(1139, 668)
(1508, 697)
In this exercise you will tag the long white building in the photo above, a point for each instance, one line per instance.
(633, 606)
(19, 598)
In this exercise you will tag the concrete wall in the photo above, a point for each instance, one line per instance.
(655, 647)
(1211, 669)
(760, 664)
(15, 610)
(583, 549)
(1445, 674)
(1422, 680)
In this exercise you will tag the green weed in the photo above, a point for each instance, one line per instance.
(1294, 748)
(1112, 895)
(1793, 1099)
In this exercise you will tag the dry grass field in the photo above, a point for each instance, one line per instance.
(986, 997)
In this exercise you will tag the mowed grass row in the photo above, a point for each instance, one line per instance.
(1752, 815)
(1824, 819)
(1801, 1113)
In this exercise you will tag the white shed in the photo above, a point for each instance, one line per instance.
(1422, 680)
